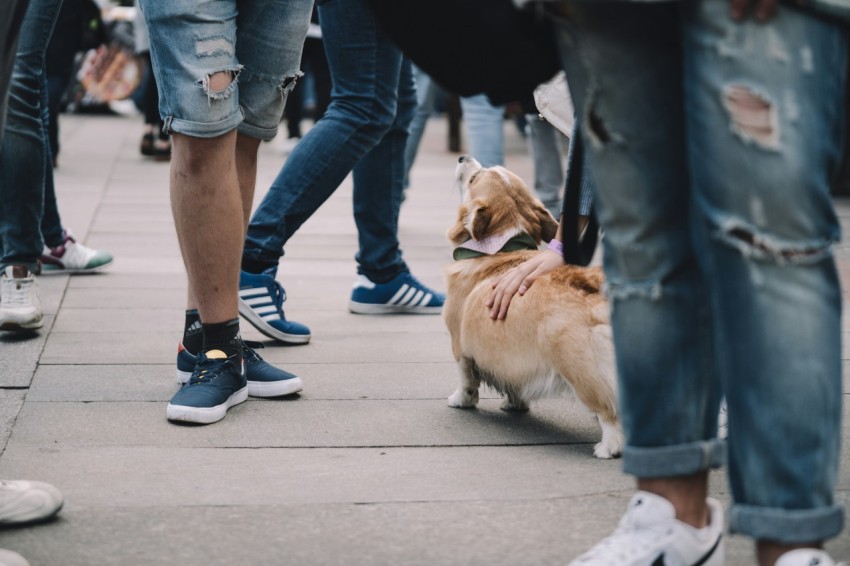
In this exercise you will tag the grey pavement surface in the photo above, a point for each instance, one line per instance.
(367, 466)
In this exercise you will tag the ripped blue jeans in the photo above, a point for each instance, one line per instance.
(712, 144)
(193, 41)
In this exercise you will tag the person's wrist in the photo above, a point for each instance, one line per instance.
(556, 246)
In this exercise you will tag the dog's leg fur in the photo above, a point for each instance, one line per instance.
(613, 440)
(466, 396)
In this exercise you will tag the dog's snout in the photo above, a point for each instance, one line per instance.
(462, 158)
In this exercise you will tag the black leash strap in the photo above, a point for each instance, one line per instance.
(577, 251)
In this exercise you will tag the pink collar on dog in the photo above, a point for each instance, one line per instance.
(507, 242)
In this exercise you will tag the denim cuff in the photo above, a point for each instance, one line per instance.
(262, 134)
(203, 129)
(788, 526)
(678, 460)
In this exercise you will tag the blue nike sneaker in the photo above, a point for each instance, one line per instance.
(261, 299)
(264, 379)
(402, 295)
(216, 384)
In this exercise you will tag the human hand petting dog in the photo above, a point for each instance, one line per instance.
(763, 9)
(519, 279)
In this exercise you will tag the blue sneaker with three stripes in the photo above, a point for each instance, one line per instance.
(261, 299)
(402, 295)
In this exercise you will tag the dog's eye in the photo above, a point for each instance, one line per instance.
(474, 175)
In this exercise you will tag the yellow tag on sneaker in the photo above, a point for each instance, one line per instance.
(216, 355)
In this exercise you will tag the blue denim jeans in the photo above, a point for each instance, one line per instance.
(484, 125)
(51, 223)
(545, 145)
(365, 129)
(426, 99)
(258, 42)
(712, 144)
(24, 153)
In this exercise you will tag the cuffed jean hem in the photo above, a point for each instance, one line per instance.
(203, 129)
(262, 134)
(383, 275)
(678, 460)
(260, 257)
(787, 526)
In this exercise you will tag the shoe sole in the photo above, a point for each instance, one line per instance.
(248, 313)
(260, 388)
(275, 388)
(368, 308)
(205, 415)
(81, 271)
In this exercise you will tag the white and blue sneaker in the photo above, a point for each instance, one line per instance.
(402, 295)
(264, 379)
(650, 534)
(261, 299)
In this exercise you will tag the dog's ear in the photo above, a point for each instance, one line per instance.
(457, 234)
(548, 224)
(479, 219)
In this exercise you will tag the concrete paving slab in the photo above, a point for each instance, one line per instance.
(20, 354)
(267, 476)
(336, 381)
(290, 423)
(158, 348)
(321, 322)
(11, 401)
(122, 297)
(550, 531)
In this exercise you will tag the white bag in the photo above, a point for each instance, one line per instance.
(555, 105)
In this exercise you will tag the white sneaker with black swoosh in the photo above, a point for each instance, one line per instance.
(650, 535)
(807, 557)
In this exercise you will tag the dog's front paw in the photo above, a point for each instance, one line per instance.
(463, 398)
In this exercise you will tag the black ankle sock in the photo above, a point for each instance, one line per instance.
(256, 266)
(223, 336)
(193, 332)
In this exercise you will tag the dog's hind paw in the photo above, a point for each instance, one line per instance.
(612, 442)
(604, 452)
(463, 399)
(514, 405)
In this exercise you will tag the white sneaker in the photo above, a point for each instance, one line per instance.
(12, 558)
(649, 534)
(72, 257)
(20, 307)
(27, 501)
(807, 557)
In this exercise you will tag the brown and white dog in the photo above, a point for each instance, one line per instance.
(555, 339)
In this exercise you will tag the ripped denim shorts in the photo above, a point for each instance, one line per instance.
(223, 64)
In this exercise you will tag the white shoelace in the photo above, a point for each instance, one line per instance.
(17, 292)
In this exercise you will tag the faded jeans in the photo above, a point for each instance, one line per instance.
(712, 144)
(258, 42)
(24, 153)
